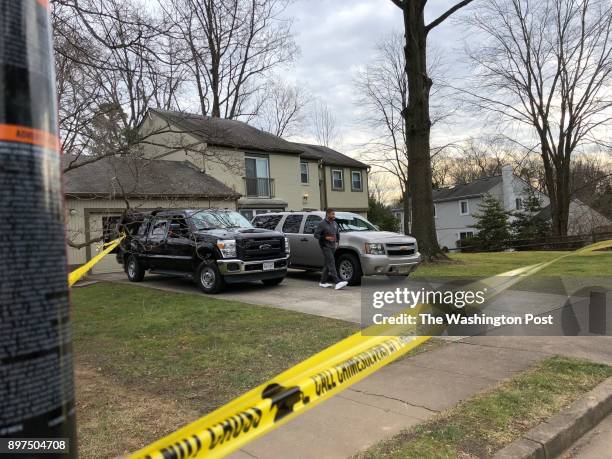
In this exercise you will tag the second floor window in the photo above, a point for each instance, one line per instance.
(303, 172)
(464, 208)
(337, 179)
(356, 183)
(257, 176)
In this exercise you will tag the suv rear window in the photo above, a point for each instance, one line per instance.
(292, 223)
(267, 221)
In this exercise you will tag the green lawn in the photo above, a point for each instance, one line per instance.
(192, 347)
(491, 263)
(485, 424)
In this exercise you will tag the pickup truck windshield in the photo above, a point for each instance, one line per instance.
(353, 223)
(212, 220)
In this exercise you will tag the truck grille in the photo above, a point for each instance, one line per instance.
(260, 249)
(399, 249)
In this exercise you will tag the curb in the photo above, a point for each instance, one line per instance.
(551, 438)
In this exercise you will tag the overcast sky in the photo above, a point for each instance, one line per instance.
(338, 37)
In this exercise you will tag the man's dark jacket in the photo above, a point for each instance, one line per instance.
(327, 228)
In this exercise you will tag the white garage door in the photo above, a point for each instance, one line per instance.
(108, 264)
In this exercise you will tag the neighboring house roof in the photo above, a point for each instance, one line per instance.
(130, 177)
(473, 189)
(329, 156)
(222, 132)
(546, 212)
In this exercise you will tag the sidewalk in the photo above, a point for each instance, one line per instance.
(412, 390)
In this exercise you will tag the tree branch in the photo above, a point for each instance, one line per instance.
(445, 16)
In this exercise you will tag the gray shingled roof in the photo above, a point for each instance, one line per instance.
(227, 133)
(475, 188)
(143, 178)
(329, 156)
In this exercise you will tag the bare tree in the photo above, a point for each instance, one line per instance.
(383, 88)
(324, 125)
(113, 63)
(545, 65)
(282, 110)
(229, 47)
(418, 121)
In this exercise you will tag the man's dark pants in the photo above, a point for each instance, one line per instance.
(329, 267)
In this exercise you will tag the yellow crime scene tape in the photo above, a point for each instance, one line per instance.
(75, 275)
(308, 383)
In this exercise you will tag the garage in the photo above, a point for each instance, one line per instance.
(98, 193)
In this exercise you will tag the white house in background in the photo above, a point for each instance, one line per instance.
(455, 207)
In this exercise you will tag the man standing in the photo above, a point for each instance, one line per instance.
(328, 234)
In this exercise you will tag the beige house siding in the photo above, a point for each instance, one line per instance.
(228, 165)
(346, 199)
(84, 222)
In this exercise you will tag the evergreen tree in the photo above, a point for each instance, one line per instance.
(381, 215)
(492, 225)
(527, 224)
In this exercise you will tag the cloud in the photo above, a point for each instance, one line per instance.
(337, 37)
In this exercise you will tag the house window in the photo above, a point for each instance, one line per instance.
(303, 172)
(356, 183)
(257, 177)
(518, 203)
(466, 235)
(464, 208)
(337, 179)
(435, 211)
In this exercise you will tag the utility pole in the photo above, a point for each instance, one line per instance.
(36, 371)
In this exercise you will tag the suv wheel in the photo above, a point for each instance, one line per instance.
(209, 278)
(349, 269)
(134, 270)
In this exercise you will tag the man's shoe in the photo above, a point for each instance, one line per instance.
(340, 285)
(326, 285)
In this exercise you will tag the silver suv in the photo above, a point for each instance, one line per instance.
(364, 250)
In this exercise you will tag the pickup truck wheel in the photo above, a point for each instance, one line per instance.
(209, 278)
(134, 270)
(349, 268)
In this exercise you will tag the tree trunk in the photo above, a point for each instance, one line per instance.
(556, 177)
(418, 126)
(406, 205)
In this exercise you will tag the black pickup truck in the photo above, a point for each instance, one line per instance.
(213, 247)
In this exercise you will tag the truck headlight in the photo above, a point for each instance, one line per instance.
(374, 249)
(227, 248)
(287, 247)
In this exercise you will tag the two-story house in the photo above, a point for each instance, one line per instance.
(270, 173)
(455, 207)
(188, 160)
